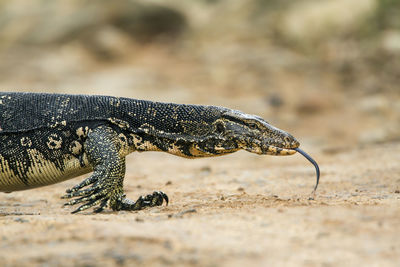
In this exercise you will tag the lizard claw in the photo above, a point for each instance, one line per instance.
(80, 193)
(157, 198)
(165, 197)
(90, 180)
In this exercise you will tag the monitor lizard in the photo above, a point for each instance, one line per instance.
(48, 138)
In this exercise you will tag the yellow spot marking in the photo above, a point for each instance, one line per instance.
(26, 141)
(143, 145)
(82, 132)
(120, 123)
(76, 148)
(54, 142)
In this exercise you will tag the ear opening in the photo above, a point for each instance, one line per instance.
(220, 127)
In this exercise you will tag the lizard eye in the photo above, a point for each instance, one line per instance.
(220, 127)
(252, 126)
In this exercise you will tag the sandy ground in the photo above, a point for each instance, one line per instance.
(236, 210)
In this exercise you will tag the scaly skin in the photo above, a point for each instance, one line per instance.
(48, 138)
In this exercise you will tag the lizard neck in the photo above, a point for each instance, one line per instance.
(173, 128)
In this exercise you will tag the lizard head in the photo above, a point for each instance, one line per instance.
(234, 130)
(254, 134)
(219, 131)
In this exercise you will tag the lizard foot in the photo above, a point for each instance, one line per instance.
(93, 196)
(150, 200)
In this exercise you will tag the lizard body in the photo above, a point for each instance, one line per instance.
(48, 138)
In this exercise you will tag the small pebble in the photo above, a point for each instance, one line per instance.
(20, 220)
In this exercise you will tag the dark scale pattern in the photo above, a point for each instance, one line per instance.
(47, 138)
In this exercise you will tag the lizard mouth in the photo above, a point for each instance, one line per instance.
(279, 151)
(265, 149)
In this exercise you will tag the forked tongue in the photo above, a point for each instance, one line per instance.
(313, 162)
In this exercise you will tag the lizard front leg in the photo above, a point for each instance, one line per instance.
(102, 149)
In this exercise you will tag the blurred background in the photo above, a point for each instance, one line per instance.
(326, 71)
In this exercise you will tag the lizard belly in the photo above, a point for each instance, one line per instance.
(40, 172)
(41, 157)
